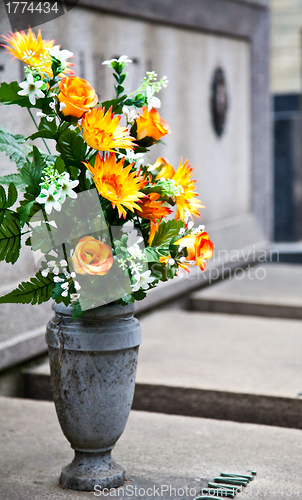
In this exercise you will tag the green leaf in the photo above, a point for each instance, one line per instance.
(47, 130)
(7, 202)
(117, 104)
(35, 291)
(152, 254)
(10, 238)
(27, 209)
(12, 145)
(15, 178)
(31, 172)
(72, 148)
(166, 231)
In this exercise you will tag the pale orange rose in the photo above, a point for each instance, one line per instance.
(91, 256)
(151, 124)
(78, 96)
(199, 247)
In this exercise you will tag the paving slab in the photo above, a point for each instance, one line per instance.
(237, 368)
(268, 289)
(158, 452)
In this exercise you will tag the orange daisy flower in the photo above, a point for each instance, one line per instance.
(117, 184)
(102, 132)
(186, 200)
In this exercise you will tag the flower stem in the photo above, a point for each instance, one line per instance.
(33, 119)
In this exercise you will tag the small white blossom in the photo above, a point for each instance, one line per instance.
(171, 262)
(45, 272)
(182, 230)
(182, 259)
(73, 275)
(122, 59)
(57, 279)
(201, 228)
(142, 281)
(190, 224)
(66, 187)
(61, 55)
(65, 285)
(74, 297)
(131, 116)
(40, 114)
(133, 238)
(136, 252)
(153, 102)
(77, 285)
(50, 198)
(62, 106)
(50, 118)
(31, 88)
(64, 293)
(63, 263)
(53, 104)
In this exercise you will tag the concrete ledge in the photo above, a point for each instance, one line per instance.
(22, 348)
(156, 450)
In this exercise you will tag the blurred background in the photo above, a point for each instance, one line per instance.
(233, 104)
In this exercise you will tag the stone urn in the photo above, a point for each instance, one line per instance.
(93, 366)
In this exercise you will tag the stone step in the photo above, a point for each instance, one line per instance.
(272, 290)
(245, 369)
(164, 456)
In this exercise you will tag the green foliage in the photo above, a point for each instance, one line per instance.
(72, 148)
(7, 202)
(152, 254)
(37, 290)
(10, 238)
(47, 130)
(12, 145)
(15, 178)
(57, 294)
(76, 310)
(166, 231)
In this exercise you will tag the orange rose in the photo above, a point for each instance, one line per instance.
(91, 256)
(199, 247)
(78, 96)
(150, 124)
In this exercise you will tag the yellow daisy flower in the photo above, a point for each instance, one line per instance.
(102, 132)
(117, 184)
(30, 49)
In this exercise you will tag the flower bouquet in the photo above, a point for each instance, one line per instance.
(105, 225)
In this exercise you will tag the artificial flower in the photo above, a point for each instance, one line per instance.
(50, 198)
(199, 248)
(153, 208)
(77, 95)
(142, 281)
(121, 60)
(92, 256)
(117, 184)
(31, 88)
(153, 102)
(30, 49)
(66, 187)
(186, 199)
(102, 132)
(150, 124)
(61, 55)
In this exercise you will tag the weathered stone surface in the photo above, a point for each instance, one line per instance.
(272, 289)
(156, 450)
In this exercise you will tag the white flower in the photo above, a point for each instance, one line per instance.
(73, 275)
(50, 118)
(171, 262)
(122, 59)
(142, 281)
(182, 230)
(61, 55)
(74, 297)
(201, 228)
(138, 158)
(131, 116)
(53, 104)
(66, 187)
(64, 293)
(136, 252)
(190, 224)
(182, 259)
(31, 88)
(63, 263)
(77, 285)
(153, 102)
(57, 279)
(40, 114)
(62, 106)
(45, 272)
(50, 198)
(133, 238)
(65, 285)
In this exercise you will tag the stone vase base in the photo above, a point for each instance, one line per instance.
(88, 470)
